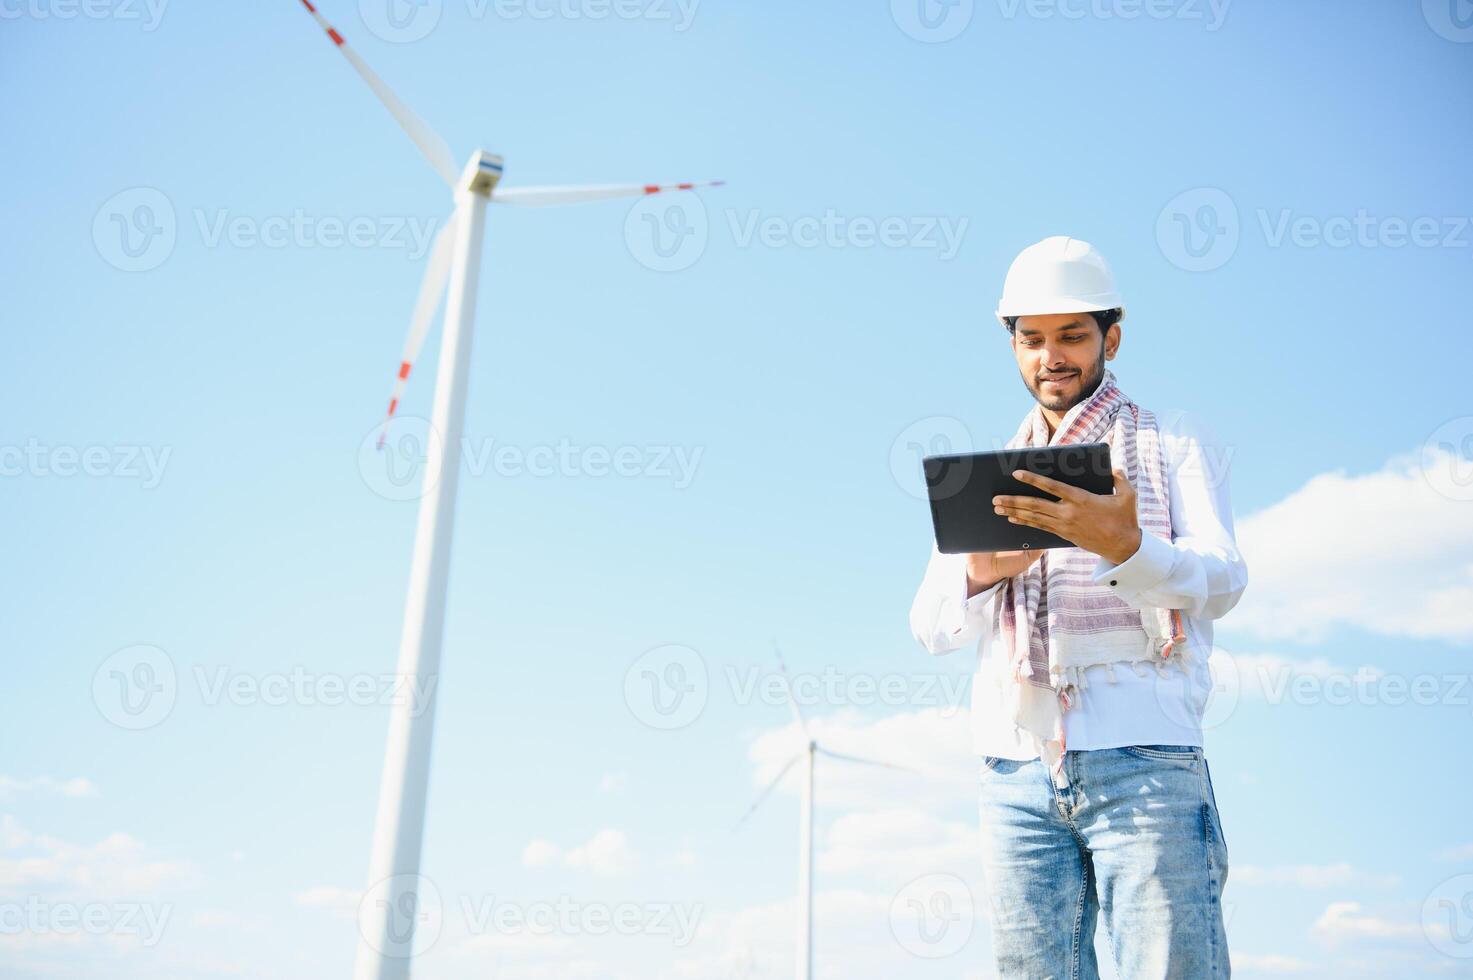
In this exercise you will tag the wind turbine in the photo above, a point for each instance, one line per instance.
(807, 754)
(387, 922)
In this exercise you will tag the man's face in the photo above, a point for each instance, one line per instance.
(1062, 357)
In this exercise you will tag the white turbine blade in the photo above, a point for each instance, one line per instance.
(869, 762)
(535, 197)
(768, 790)
(429, 142)
(431, 292)
(843, 757)
(792, 700)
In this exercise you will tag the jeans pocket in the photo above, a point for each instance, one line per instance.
(990, 762)
(1164, 753)
(1212, 802)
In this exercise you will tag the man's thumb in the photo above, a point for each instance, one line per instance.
(1122, 482)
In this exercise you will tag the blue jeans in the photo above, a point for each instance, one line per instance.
(1134, 836)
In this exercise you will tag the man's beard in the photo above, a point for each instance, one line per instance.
(1089, 382)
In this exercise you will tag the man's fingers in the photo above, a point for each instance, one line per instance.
(1018, 506)
(1062, 490)
(1033, 519)
(1032, 503)
(1027, 516)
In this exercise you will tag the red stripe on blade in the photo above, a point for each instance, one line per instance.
(652, 188)
(393, 404)
(403, 370)
(336, 37)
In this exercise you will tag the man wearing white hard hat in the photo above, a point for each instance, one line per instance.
(1092, 676)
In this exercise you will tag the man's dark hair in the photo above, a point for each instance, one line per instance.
(1104, 318)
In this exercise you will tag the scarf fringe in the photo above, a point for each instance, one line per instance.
(1070, 683)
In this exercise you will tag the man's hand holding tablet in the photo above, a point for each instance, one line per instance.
(987, 568)
(1002, 509)
(1102, 523)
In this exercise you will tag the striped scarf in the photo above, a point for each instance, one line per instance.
(1071, 623)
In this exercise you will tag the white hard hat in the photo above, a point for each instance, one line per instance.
(1058, 275)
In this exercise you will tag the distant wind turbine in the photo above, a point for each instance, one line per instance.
(806, 754)
(387, 924)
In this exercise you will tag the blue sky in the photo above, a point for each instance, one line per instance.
(184, 471)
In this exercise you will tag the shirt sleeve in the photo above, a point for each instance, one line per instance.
(942, 617)
(1200, 571)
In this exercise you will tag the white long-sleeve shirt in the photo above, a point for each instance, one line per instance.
(1200, 573)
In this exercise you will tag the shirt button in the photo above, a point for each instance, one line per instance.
(1113, 582)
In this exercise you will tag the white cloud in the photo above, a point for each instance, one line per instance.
(77, 787)
(898, 844)
(757, 942)
(125, 895)
(1307, 876)
(854, 939)
(12, 834)
(1463, 852)
(541, 854)
(340, 901)
(1343, 921)
(544, 958)
(1384, 552)
(607, 852)
(1270, 963)
(233, 921)
(211, 918)
(685, 858)
(1272, 677)
(118, 865)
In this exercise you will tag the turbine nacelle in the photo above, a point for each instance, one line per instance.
(482, 173)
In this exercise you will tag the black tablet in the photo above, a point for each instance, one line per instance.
(961, 488)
